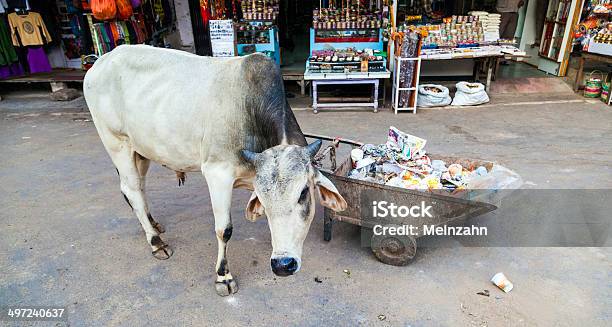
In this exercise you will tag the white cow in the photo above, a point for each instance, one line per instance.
(227, 118)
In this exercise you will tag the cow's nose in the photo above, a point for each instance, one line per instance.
(284, 266)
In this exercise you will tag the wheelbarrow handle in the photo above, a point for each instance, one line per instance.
(333, 139)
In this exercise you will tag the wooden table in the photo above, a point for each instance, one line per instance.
(584, 56)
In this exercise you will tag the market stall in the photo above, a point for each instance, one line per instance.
(257, 30)
(258, 36)
(595, 34)
(557, 35)
(45, 36)
(346, 47)
(474, 36)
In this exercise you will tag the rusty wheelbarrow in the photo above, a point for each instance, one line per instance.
(448, 209)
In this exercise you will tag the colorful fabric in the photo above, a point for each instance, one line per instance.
(28, 29)
(114, 31)
(37, 60)
(7, 51)
(11, 70)
(108, 35)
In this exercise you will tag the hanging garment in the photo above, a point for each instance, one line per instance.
(104, 9)
(129, 25)
(23, 4)
(109, 36)
(28, 29)
(114, 31)
(37, 60)
(11, 70)
(7, 51)
(124, 9)
(126, 33)
(3, 6)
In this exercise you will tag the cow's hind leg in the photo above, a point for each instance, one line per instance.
(220, 180)
(130, 165)
(142, 164)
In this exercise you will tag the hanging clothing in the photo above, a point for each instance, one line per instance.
(11, 70)
(37, 60)
(3, 6)
(28, 29)
(21, 4)
(8, 54)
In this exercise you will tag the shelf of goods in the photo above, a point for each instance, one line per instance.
(339, 53)
(260, 10)
(399, 101)
(554, 29)
(560, 27)
(258, 37)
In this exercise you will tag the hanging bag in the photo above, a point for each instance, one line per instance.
(592, 87)
(104, 9)
(124, 9)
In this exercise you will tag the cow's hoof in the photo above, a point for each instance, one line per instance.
(226, 287)
(158, 227)
(163, 253)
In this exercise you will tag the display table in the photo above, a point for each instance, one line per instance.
(372, 78)
(487, 56)
(584, 56)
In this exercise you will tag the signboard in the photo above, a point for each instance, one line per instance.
(222, 38)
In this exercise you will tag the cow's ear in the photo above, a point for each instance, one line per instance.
(254, 208)
(329, 195)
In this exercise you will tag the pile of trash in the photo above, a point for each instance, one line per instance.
(403, 162)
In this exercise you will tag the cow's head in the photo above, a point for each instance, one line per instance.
(286, 185)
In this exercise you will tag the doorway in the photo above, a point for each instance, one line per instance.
(294, 23)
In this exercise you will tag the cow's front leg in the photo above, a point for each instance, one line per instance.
(220, 181)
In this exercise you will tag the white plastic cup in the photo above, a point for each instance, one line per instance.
(500, 280)
(356, 155)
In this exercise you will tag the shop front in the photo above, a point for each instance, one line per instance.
(594, 48)
(56, 41)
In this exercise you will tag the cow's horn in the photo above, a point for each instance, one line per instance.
(249, 156)
(314, 147)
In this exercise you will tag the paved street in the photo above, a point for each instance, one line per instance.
(67, 237)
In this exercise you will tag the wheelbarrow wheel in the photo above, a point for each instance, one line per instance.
(397, 250)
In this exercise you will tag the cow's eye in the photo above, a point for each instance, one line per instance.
(304, 194)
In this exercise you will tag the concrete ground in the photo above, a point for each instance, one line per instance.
(67, 238)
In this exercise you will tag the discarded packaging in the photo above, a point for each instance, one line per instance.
(501, 281)
(484, 293)
(356, 155)
(402, 162)
(408, 145)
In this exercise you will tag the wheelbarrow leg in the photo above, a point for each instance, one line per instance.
(327, 228)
